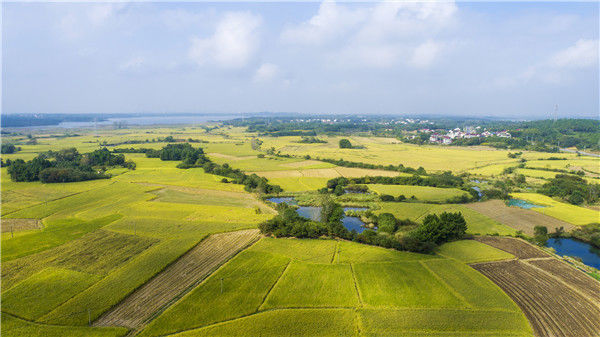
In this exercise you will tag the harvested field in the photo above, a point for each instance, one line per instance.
(517, 247)
(552, 307)
(190, 269)
(19, 225)
(518, 218)
(570, 275)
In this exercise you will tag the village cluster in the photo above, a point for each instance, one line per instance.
(457, 133)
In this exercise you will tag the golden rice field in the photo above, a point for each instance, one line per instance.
(560, 210)
(100, 240)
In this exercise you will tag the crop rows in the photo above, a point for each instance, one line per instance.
(553, 308)
(193, 267)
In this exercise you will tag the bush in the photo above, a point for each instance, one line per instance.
(386, 197)
(386, 222)
(540, 235)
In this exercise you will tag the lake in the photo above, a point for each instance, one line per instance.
(588, 254)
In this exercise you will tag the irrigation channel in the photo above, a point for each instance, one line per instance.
(314, 213)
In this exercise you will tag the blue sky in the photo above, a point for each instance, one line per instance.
(512, 60)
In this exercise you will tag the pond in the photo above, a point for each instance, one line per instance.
(588, 254)
(314, 213)
(522, 204)
(287, 200)
(476, 188)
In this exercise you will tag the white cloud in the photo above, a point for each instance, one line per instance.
(558, 69)
(425, 54)
(381, 36)
(266, 72)
(584, 53)
(330, 22)
(76, 23)
(233, 44)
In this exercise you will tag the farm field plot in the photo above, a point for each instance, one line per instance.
(189, 269)
(570, 275)
(420, 192)
(560, 210)
(314, 285)
(552, 307)
(517, 247)
(477, 223)
(186, 195)
(302, 284)
(272, 163)
(470, 251)
(285, 322)
(442, 322)
(407, 284)
(81, 255)
(19, 225)
(381, 151)
(517, 218)
(16, 327)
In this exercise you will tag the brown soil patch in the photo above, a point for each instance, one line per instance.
(552, 307)
(518, 218)
(173, 281)
(517, 247)
(18, 225)
(570, 275)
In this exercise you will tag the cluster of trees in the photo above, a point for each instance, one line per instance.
(588, 233)
(194, 157)
(188, 155)
(311, 140)
(398, 168)
(434, 229)
(9, 148)
(66, 165)
(572, 189)
(439, 229)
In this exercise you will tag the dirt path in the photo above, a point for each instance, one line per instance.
(19, 225)
(557, 299)
(518, 218)
(167, 286)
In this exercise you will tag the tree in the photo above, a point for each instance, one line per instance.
(540, 235)
(386, 222)
(345, 144)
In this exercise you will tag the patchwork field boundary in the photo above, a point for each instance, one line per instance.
(358, 320)
(454, 292)
(114, 316)
(264, 300)
(360, 299)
